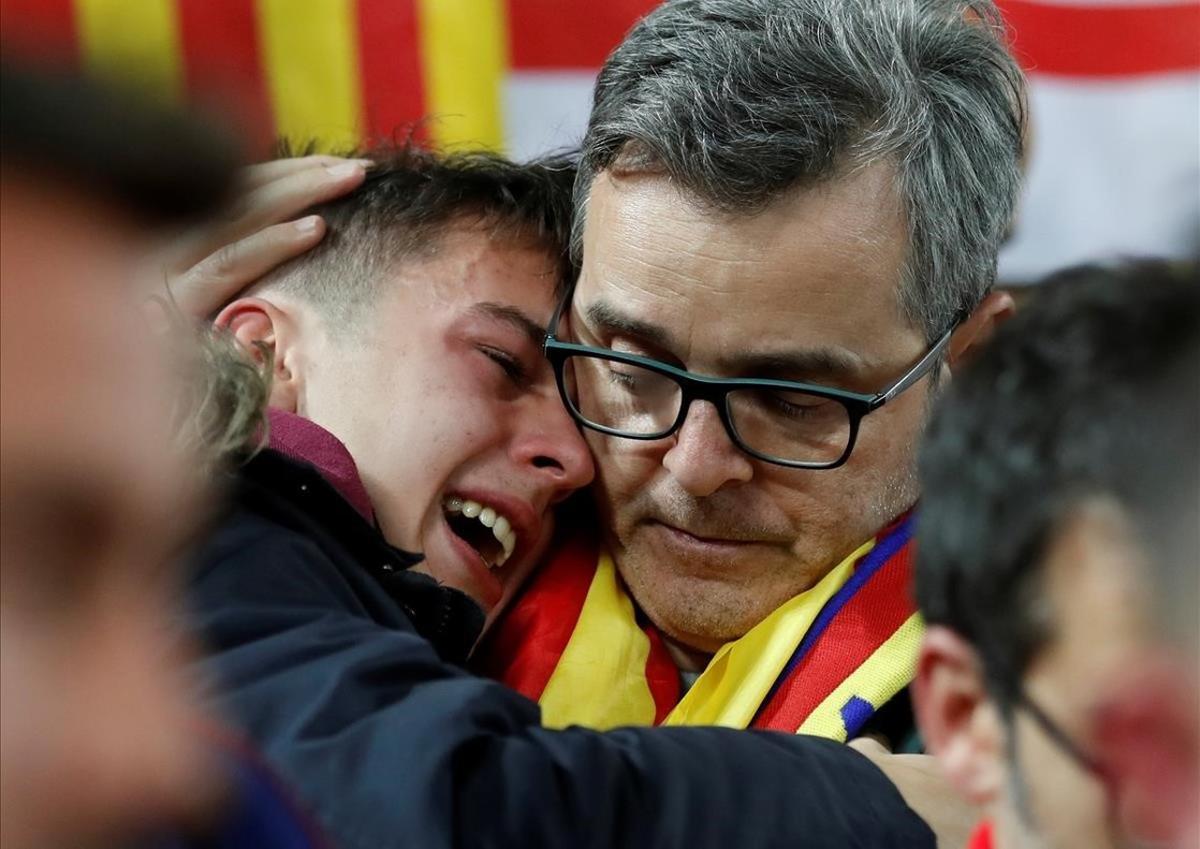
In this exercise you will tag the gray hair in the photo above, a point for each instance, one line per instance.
(740, 101)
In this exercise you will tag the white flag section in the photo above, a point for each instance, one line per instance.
(1114, 170)
(545, 111)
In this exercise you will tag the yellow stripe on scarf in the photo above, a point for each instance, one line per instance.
(600, 680)
(736, 682)
(885, 673)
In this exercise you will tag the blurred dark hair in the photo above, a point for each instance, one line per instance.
(410, 197)
(160, 165)
(164, 168)
(1092, 392)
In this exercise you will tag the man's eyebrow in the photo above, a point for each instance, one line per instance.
(795, 365)
(512, 316)
(783, 365)
(605, 316)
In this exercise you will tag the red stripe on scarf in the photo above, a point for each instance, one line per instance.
(525, 646)
(661, 674)
(867, 620)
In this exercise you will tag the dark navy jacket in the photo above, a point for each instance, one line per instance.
(323, 645)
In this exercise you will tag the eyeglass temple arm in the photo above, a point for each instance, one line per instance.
(1060, 737)
(916, 372)
(559, 311)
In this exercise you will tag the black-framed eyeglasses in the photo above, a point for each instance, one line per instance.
(788, 423)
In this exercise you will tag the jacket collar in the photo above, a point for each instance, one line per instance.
(300, 439)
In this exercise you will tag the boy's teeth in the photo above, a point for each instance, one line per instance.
(509, 542)
(502, 529)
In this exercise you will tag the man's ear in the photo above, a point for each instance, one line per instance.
(1148, 737)
(975, 332)
(264, 330)
(957, 719)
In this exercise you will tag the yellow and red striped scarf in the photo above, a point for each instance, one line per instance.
(822, 663)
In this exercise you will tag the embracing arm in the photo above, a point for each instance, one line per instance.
(392, 747)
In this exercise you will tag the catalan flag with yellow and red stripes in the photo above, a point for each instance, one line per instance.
(344, 72)
(1114, 89)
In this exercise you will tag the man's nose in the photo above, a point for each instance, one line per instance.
(702, 457)
(552, 444)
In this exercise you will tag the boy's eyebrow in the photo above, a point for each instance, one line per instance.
(507, 313)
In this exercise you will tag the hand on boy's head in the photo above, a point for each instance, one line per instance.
(209, 267)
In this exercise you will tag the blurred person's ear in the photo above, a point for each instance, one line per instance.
(976, 329)
(1148, 738)
(958, 721)
(267, 333)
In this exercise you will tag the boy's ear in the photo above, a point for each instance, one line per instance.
(266, 331)
(976, 331)
(957, 719)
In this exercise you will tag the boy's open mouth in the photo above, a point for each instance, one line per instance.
(483, 528)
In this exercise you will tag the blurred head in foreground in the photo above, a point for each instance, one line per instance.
(1058, 567)
(95, 496)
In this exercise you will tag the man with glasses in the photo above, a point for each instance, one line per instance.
(787, 217)
(1058, 573)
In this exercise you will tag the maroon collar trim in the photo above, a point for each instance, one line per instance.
(300, 439)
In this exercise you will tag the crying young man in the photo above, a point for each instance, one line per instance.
(405, 360)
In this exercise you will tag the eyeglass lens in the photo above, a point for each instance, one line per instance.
(634, 401)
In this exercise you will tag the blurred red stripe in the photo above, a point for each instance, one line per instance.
(223, 71)
(40, 30)
(1104, 41)
(569, 34)
(390, 64)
